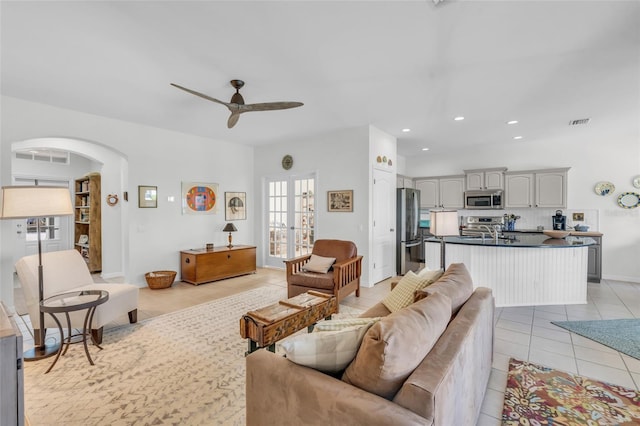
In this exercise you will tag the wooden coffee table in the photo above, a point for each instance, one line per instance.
(265, 326)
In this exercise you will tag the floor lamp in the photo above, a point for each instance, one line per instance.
(444, 223)
(22, 202)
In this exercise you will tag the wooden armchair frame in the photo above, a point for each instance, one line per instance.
(346, 274)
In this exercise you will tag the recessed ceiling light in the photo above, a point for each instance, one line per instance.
(406, 130)
(517, 137)
(512, 122)
(458, 118)
(425, 149)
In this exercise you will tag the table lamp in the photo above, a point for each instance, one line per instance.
(230, 227)
(22, 202)
(444, 223)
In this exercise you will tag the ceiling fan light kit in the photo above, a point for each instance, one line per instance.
(237, 106)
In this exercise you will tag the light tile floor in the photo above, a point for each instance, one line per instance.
(525, 333)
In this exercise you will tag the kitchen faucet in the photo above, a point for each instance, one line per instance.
(493, 232)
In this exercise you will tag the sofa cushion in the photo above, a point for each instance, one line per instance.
(327, 351)
(394, 346)
(318, 264)
(456, 283)
(312, 279)
(341, 250)
(402, 294)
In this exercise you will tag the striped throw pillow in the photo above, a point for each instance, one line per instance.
(339, 324)
(329, 351)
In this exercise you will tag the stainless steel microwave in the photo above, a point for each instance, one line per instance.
(491, 199)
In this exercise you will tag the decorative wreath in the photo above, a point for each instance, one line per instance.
(112, 199)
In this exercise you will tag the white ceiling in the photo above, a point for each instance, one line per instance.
(391, 64)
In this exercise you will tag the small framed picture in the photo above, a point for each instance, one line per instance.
(235, 205)
(147, 197)
(340, 201)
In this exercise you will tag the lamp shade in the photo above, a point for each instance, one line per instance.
(19, 202)
(230, 227)
(444, 223)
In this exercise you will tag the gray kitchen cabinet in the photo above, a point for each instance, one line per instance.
(481, 179)
(429, 192)
(594, 268)
(404, 182)
(519, 190)
(444, 192)
(536, 188)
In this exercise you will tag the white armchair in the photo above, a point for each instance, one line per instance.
(67, 271)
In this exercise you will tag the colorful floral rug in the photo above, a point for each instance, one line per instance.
(538, 395)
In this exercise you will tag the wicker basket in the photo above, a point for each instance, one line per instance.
(160, 279)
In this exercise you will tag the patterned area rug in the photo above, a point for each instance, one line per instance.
(185, 367)
(622, 335)
(538, 395)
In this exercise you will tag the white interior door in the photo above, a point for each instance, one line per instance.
(290, 218)
(54, 231)
(384, 219)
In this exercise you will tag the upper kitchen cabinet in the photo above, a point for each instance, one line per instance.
(403, 182)
(536, 188)
(445, 192)
(480, 179)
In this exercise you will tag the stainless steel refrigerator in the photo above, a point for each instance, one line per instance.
(409, 241)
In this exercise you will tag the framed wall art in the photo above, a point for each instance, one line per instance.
(340, 201)
(147, 197)
(235, 205)
(199, 198)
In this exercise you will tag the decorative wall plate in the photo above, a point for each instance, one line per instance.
(636, 181)
(629, 200)
(604, 188)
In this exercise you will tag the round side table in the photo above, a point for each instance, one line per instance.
(70, 302)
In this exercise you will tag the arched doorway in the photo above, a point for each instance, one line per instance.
(113, 167)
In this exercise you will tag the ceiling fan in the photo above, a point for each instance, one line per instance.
(237, 105)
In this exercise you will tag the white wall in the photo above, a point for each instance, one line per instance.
(594, 156)
(153, 157)
(340, 161)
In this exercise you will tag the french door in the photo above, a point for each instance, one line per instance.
(290, 218)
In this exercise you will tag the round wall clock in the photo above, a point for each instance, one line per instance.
(287, 162)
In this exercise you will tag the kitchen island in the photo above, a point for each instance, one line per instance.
(522, 270)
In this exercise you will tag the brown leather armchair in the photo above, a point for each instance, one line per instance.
(342, 278)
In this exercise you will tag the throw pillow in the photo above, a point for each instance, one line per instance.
(426, 271)
(456, 283)
(318, 264)
(394, 346)
(402, 294)
(339, 324)
(328, 351)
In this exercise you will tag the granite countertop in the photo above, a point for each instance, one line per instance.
(524, 240)
(576, 233)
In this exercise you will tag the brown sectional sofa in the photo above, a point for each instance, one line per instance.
(446, 388)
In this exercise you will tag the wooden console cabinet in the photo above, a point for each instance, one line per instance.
(203, 266)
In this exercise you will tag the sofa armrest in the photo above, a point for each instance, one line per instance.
(346, 271)
(295, 265)
(279, 392)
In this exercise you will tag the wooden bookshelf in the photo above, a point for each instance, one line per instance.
(88, 220)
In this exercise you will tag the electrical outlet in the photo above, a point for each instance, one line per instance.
(578, 217)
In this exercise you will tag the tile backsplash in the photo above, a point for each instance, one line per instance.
(532, 218)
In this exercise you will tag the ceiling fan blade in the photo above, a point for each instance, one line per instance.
(269, 106)
(233, 119)
(202, 95)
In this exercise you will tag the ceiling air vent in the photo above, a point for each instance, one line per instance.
(579, 122)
